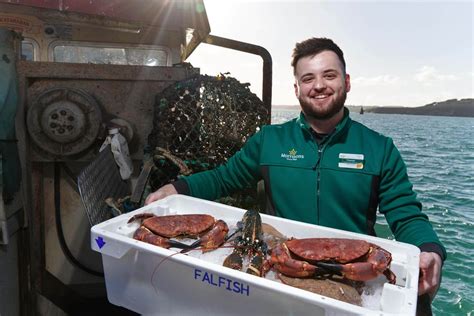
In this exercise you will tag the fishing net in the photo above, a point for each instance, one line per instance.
(198, 124)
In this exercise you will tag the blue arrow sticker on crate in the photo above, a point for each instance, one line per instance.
(100, 242)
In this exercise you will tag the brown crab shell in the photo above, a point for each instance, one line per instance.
(339, 250)
(176, 225)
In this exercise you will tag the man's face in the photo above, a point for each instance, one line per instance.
(321, 85)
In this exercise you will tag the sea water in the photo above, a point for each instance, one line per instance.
(439, 153)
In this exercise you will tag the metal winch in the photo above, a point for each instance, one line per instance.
(64, 121)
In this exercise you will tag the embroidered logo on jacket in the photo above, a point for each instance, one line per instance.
(292, 155)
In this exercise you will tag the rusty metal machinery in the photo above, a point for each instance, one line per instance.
(201, 122)
(64, 121)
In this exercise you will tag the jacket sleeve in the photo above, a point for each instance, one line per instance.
(240, 171)
(399, 204)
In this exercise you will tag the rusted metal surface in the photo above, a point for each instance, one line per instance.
(182, 13)
(102, 72)
(177, 25)
(48, 28)
(126, 92)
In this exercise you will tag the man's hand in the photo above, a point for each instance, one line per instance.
(161, 193)
(430, 274)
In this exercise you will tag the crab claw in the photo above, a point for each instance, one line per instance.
(140, 216)
(144, 234)
(282, 261)
(212, 239)
(358, 271)
(215, 237)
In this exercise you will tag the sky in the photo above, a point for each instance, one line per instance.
(398, 53)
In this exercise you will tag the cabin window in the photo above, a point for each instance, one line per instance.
(143, 56)
(27, 50)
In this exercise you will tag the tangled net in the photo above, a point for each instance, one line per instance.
(198, 124)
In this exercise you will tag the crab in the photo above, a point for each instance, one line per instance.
(249, 244)
(158, 230)
(355, 260)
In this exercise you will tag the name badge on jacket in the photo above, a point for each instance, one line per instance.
(351, 161)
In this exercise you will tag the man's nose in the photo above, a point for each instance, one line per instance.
(319, 84)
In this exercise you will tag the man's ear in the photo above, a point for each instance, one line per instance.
(295, 85)
(347, 80)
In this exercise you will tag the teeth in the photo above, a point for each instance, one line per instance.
(321, 96)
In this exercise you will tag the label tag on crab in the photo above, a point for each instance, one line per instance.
(351, 161)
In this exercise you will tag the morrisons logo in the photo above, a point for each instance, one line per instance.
(292, 155)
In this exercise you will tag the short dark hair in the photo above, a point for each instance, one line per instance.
(314, 46)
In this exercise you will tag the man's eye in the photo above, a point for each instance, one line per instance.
(308, 79)
(330, 76)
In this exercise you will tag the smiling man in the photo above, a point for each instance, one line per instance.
(323, 168)
(321, 86)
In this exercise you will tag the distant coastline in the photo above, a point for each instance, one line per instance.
(453, 107)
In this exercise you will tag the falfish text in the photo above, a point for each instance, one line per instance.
(222, 282)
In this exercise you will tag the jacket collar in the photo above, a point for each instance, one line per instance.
(340, 127)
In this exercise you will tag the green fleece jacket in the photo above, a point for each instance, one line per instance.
(339, 183)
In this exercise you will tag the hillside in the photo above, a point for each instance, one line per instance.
(453, 107)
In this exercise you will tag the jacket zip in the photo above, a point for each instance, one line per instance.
(318, 180)
(321, 147)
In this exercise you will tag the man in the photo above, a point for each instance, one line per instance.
(323, 168)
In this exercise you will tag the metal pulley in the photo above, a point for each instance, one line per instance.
(64, 121)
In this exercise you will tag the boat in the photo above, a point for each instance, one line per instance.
(85, 67)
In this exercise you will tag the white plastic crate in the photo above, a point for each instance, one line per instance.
(155, 281)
